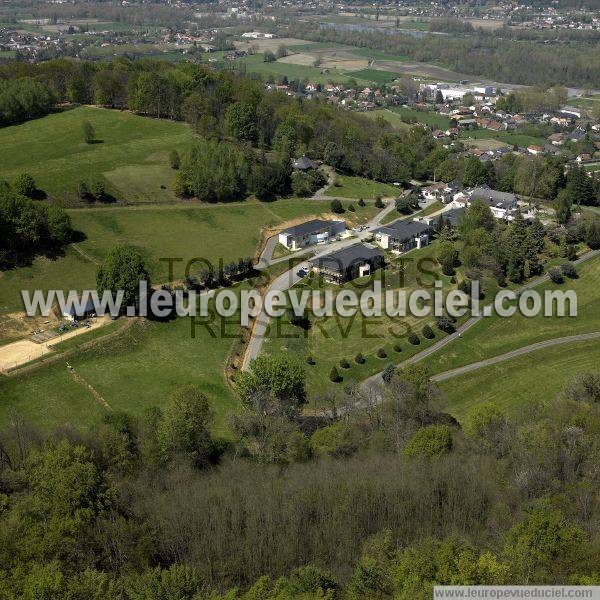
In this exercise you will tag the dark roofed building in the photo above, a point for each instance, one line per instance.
(304, 163)
(317, 231)
(452, 217)
(402, 235)
(349, 263)
(502, 204)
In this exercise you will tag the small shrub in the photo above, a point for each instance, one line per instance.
(334, 376)
(310, 360)
(351, 208)
(388, 373)
(381, 353)
(379, 202)
(361, 203)
(397, 348)
(25, 185)
(555, 275)
(413, 338)
(428, 332)
(445, 324)
(359, 359)
(569, 270)
(344, 364)
(336, 207)
(174, 159)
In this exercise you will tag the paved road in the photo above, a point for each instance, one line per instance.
(466, 326)
(513, 353)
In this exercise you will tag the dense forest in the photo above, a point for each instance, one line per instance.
(483, 54)
(383, 503)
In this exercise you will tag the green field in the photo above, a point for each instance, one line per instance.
(133, 372)
(508, 137)
(179, 231)
(378, 55)
(393, 118)
(378, 77)
(426, 117)
(494, 335)
(516, 383)
(278, 69)
(131, 154)
(432, 208)
(358, 187)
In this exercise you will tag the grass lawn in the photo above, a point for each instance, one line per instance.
(494, 335)
(508, 137)
(133, 372)
(514, 384)
(430, 118)
(393, 118)
(220, 231)
(131, 154)
(331, 339)
(358, 187)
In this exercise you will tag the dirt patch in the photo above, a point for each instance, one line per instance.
(15, 326)
(486, 144)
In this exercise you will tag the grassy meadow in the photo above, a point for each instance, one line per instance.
(347, 186)
(130, 153)
(180, 230)
(137, 370)
(513, 385)
(508, 137)
(494, 335)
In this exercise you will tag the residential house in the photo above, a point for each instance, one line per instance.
(304, 164)
(348, 263)
(402, 235)
(535, 149)
(557, 139)
(317, 231)
(502, 204)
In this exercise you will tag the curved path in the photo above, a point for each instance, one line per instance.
(467, 325)
(513, 353)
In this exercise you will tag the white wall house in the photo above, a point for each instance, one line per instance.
(317, 231)
(402, 236)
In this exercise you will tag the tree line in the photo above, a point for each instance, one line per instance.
(384, 501)
(28, 228)
(483, 54)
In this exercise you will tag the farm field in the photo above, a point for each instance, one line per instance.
(131, 153)
(495, 335)
(358, 187)
(515, 384)
(184, 231)
(379, 77)
(133, 372)
(508, 137)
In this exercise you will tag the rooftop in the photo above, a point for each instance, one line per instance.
(309, 227)
(403, 229)
(346, 257)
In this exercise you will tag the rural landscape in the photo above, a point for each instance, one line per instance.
(447, 155)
